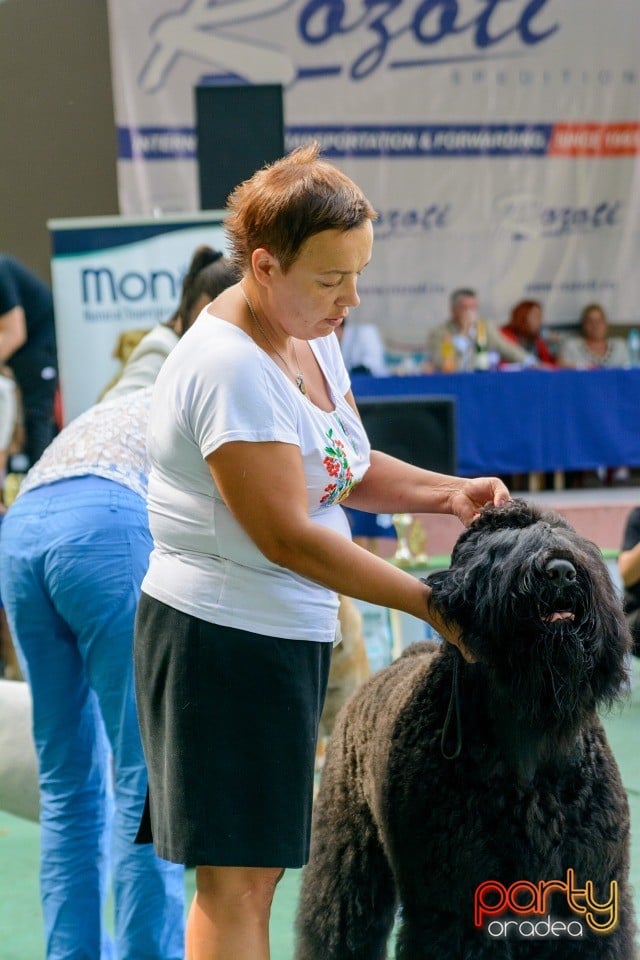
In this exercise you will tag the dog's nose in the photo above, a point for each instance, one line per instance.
(560, 571)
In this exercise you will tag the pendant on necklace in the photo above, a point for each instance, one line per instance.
(301, 385)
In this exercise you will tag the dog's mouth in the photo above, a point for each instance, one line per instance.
(561, 611)
(564, 607)
(559, 615)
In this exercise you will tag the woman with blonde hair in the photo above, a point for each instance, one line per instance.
(594, 347)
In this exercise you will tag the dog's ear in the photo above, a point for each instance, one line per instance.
(445, 601)
(436, 579)
(444, 593)
(610, 680)
(442, 583)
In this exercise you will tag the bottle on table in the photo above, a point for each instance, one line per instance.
(633, 346)
(447, 355)
(482, 350)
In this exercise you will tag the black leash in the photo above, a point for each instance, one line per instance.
(454, 701)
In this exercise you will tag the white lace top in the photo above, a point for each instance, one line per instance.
(108, 440)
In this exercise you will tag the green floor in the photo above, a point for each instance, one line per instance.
(20, 922)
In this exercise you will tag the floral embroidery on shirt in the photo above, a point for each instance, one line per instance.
(337, 466)
(347, 433)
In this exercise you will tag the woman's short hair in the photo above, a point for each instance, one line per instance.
(285, 203)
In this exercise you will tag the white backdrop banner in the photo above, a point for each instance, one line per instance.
(498, 139)
(111, 275)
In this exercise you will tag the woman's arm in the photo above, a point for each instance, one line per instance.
(393, 486)
(629, 565)
(263, 486)
(13, 332)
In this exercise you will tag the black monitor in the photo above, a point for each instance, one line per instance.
(239, 128)
(419, 430)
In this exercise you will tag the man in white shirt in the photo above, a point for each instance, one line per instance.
(362, 348)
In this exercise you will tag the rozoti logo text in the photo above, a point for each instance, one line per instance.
(527, 218)
(522, 910)
(376, 29)
(428, 23)
(400, 222)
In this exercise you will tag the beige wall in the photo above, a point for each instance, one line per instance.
(57, 135)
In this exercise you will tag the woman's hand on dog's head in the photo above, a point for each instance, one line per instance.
(472, 495)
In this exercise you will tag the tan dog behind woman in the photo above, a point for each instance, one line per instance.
(350, 667)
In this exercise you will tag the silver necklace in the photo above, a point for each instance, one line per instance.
(299, 379)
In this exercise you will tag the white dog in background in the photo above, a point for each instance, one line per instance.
(19, 792)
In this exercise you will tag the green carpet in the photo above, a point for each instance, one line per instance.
(20, 922)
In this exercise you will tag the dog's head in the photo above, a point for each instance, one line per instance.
(537, 606)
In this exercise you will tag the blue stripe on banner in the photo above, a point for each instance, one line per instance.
(156, 143)
(311, 73)
(442, 140)
(88, 239)
(443, 61)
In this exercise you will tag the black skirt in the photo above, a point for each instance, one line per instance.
(229, 723)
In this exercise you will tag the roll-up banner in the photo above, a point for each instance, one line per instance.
(498, 139)
(111, 275)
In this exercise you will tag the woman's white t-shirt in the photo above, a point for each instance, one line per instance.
(218, 386)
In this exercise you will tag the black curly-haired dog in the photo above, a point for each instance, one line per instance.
(444, 775)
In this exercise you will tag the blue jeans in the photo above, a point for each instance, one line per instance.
(72, 557)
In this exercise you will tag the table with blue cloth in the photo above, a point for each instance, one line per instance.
(532, 420)
(528, 421)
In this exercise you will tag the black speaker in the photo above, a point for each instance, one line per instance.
(239, 129)
(419, 430)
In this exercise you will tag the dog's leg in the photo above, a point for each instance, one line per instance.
(347, 900)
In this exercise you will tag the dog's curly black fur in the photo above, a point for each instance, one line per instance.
(418, 810)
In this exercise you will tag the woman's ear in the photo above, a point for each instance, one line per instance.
(263, 264)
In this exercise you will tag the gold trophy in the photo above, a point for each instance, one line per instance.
(403, 557)
(417, 539)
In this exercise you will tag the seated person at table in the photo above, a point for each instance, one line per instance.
(629, 567)
(524, 328)
(593, 347)
(452, 345)
(362, 348)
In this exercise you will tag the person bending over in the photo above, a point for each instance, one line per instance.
(74, 548)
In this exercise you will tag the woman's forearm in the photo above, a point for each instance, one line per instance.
(629, 566)
(324, 556)
(392, 486)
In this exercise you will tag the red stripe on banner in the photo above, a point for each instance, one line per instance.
(595, 140)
